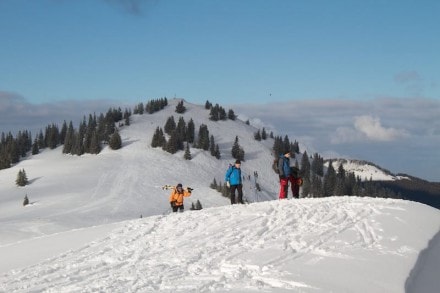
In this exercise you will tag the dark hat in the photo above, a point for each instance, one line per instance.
(238, 162)
(179, 185)
(286, 152)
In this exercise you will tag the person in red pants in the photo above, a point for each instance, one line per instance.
(288, 174)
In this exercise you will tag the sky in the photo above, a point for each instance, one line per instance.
(77, 57)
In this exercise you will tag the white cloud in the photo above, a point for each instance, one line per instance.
(372, 128)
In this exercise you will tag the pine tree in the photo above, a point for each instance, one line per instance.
(158, 138)
(203, 141)
(69, 139)
(214, 184)
(170, 125)
(263, 134)
(231, 115)
(257, 135)
(26, 200)
(237, 151)
(305, 166)
(115, 141)
(212, 146)
(198, 205)
(208, 105)
(22, 179)
(190, 131)
(35, 149)
(217, 152)
(172, 144)
(180, 108)
(330, 180)
(95, 146)
(187, 155)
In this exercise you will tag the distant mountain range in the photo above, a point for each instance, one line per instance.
(409, 187)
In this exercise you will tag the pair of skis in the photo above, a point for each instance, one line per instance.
(168, 187)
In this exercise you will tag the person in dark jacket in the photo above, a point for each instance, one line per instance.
(287, 175)
(234, 181)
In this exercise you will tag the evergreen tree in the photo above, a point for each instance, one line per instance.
(69, 139)
(212, 146)
(181, 129)
(208, 105)
(316, 188)
(214, 184)
(26, 200)
(95, 146)
(115, 141)
(231, 115)
(318, 165)
(217, 152)
(203, 141)
(63, 132)
(172, 144)
(22, 179)
(237, 151)
(213, 114)
(170, 125)
(158, 138)
(263, 134)
(52, 136)
(35, 149)
(198, 205)
(41, 141)
(127, 115)
(295, 147)
(257, 135)
(278, 146)
(187, 155)
(180, 108)
(340, 181)
(330, 180)
(190, 131)
(305, 166)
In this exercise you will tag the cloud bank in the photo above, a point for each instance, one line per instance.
(400, 134)
(16, 113)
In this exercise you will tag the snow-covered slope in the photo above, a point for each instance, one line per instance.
(70, 192)
(343, 244)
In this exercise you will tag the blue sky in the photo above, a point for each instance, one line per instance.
(57, 54)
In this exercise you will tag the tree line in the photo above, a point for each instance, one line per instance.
(87, 138)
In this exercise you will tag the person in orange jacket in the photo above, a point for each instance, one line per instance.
(177, 195)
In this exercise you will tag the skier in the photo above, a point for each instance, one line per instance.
(234, 181)
(286, 174)
(177, 195)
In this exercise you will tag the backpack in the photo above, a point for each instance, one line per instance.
(275, 166)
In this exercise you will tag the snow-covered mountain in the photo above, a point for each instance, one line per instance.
(83, 230)
(365, 170)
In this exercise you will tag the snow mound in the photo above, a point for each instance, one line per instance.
(338, 244)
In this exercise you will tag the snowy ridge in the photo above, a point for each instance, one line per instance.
(365, 170)
(308, 245)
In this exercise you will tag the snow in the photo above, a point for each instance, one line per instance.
(83, 230)
(365, 171)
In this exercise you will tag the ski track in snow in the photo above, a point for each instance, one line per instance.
(245, 248)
